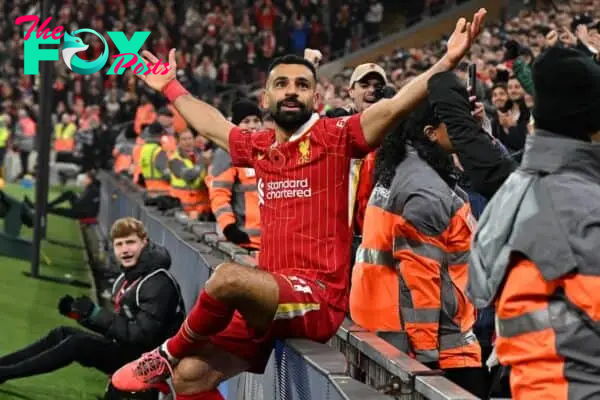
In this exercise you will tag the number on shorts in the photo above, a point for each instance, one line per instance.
(301, 286)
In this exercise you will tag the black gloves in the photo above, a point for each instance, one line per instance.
(83, 306)
(235, 235)
(65, 304)
(77, 309)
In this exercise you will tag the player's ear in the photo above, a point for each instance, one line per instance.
(351, 90)
(316, 101)
(264, 100)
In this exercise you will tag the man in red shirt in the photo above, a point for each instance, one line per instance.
(301, 286)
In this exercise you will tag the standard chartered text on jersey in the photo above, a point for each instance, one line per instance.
(284, 189)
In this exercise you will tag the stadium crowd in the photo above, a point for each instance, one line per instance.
(222, 45)
(179, 169)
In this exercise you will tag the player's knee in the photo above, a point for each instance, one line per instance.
(60, 333)
(192, 375)
(227, 281)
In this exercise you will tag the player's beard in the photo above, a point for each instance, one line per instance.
(290, 121)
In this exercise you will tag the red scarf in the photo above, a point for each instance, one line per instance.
(125, 286)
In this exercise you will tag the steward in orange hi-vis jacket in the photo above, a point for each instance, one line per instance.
(154, 162)
(410, 276)
(232, 190)
(188, 173)
(536, 252)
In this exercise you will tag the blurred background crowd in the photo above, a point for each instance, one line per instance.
(225, 46)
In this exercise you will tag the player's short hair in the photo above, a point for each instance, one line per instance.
(126, 227)
(293, 59)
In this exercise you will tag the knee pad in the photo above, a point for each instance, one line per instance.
(111, 393)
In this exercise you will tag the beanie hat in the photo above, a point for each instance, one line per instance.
(567, 93)
(513, 49)
(165, 112)
(243, 109)
(155, 129)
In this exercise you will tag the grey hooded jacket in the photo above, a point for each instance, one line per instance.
(548, 210)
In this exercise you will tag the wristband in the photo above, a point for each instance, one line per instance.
(173, 90)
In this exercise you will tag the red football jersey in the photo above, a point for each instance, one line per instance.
(303, 196)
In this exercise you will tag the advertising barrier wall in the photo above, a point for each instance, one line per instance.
(355, 365)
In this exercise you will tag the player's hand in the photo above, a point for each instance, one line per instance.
(463, 36)
(207, 156)
(582, 34)
(478, 109)
(313, 56)
(594, 40)
(165, 73)
(568, 37)
(551, 38)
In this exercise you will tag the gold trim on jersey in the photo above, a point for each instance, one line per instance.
(293, 310)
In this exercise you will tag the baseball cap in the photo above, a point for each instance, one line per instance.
(365, 69)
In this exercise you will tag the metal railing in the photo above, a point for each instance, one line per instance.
(355, 365)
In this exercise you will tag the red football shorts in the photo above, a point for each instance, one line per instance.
(301, 313)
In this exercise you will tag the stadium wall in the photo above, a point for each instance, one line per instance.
(355, 365)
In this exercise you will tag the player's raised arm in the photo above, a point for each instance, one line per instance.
(204, 118)
(379, 118)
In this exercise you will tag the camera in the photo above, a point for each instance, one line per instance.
(384, 92)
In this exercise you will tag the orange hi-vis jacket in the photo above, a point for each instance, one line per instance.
(187, 183)
(144, 115)
(179, 124)
(167, 142)
(536, 256)
(361, 190)
(234, 197)
(154, 164)
(64, 137)
(411, 268)
(123, 156)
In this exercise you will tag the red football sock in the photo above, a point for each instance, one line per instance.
(212, 395)
(209, 316)
(163, 388)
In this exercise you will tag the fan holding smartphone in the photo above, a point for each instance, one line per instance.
(477, 108)
(472, 83)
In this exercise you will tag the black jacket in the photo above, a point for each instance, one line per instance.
(339, 112)
(485, 165)
(514, 139)
(88, 204)
(148, 304)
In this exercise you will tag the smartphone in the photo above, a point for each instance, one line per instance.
(472, 82)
